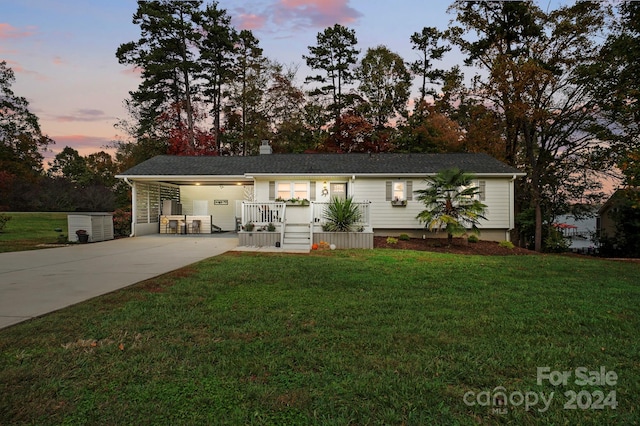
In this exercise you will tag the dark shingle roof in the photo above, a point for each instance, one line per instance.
(318, 164)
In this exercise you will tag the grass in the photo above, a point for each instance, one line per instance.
(340, 337)
(25, 231)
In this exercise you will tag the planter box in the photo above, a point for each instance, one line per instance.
(345, 240)
(258, 239)
(298, 203)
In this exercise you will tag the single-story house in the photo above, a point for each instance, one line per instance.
(290, 191)
(607, 222)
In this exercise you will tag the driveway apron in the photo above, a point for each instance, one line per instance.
(34, 283)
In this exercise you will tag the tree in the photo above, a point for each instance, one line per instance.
(167, 56)
(69, 164)
(284, 105)
(428, 130)
(386, 84)
(21, 140)
(217, 59)
(451, 203)
(426, 43)
(614, 79)
(533, 62)
(101, 169)
(335, 54)
(247, 92)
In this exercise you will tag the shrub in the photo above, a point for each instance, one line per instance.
(404, 237)
(3, 221)
(121, 223)
(473, 239)
(341, 215)
(555, 242)
(506, 244)
(391, 240)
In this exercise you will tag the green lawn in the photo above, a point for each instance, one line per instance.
(26, 231)
(341, 337)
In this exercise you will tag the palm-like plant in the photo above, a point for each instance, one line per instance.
(451, 203)
(341, 215)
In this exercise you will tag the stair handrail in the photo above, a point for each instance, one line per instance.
(284, 223)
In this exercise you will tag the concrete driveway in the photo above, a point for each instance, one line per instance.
(33, 283)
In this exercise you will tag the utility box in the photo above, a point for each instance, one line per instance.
(171, 207)
(99, 226)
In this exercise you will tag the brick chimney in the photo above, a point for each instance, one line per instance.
(265, 148)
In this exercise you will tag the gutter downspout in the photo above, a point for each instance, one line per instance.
(133, 207)
(512, 219)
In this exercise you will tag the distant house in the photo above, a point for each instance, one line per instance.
(607, 220)
(292, 190)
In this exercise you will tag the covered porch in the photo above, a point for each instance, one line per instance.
(299, 226)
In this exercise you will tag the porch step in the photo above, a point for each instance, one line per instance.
(301, 247)
(297, 227)
(296, 236)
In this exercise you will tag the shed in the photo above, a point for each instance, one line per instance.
(99, 226)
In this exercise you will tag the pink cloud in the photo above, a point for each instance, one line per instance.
(57, 60)
(84, 144)
(19, 69)
(317, 13)
(8, 31)
(132, 71)
(250, 21)
(83, 115)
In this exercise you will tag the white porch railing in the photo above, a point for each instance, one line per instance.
(262, 213)
(319, 209)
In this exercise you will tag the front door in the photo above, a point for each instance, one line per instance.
(338, 189)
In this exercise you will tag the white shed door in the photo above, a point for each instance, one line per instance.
(200, 208)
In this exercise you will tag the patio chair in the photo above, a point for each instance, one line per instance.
(195, 227)
(172, 227)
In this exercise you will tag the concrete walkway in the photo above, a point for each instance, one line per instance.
(33, 283)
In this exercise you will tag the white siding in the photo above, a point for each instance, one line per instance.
(498, 204)
(223, 215)
(261, 193)
(384, 215)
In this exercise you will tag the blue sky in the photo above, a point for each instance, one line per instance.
(63, 51)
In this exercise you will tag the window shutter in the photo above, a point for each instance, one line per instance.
(312, 191)
(389, 190)
(482, 190)
(272, 190)
(409, 190)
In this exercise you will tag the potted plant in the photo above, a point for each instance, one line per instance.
(249, 226)
(83, 236)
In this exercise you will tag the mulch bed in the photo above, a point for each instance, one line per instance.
(459, 246)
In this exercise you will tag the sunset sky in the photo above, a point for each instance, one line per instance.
(63, 51)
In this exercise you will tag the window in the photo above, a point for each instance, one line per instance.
(399, 190)
(338, 190)
(300, 190)
(288, 190)
(284, 190)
